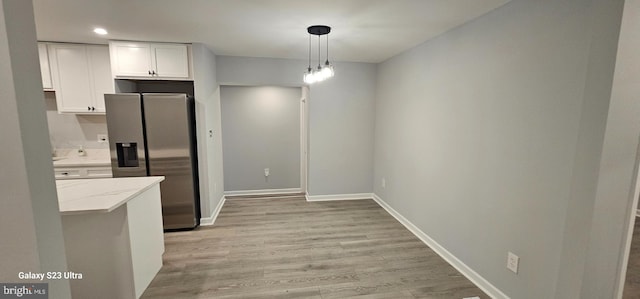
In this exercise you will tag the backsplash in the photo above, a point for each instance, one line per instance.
(70, 131)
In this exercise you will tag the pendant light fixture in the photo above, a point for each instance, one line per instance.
(322, 72)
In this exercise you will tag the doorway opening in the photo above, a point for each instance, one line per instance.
(264, 139)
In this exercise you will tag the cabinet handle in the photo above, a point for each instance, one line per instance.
(93, 108)
(154, 73)
(65, 173)
(149, 72)
(88, 108)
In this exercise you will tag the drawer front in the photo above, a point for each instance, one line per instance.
(82, 173)
(99, 172)
(67, 173)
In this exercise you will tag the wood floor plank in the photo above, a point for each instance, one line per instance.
(285, 247)
(632, 281)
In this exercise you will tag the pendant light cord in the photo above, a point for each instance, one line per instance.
(327, 62)
(309, 51)
(318, 50)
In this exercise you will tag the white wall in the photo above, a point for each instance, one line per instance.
(261, 128)
(208, 118)
(340, 117)
(477, 135)
(71, 130)
(30, 226)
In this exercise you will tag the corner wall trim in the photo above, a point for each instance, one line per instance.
(263, 192)
(214, 214)
(478, 280)
(354, 196)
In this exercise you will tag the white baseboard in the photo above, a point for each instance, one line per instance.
(262, 192)
(214, 214)
(330, 197)
(478, 280)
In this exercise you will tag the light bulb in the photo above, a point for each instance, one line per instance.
(327, 69)
(308, 76)
(320, 74)
(309, 79)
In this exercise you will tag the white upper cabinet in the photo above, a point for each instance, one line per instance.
(81, 75)
(170, 60)
(149, 60)
(44, 66)
(130, 59)
(102, 79)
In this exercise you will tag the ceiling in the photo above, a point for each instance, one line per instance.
(362, 30)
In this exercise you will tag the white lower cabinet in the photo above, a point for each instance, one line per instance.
(118, 252)
(69, 173)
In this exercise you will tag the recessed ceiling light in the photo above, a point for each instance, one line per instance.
(100, 31)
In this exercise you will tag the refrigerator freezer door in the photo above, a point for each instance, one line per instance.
(126, 134)
(169, 120)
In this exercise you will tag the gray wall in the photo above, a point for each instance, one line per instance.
(340, 120)
(477, 130)
(207, 95)
(261, 129)
(30, 225)
(611, 200)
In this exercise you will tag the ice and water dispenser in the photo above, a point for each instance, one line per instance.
(127, 154)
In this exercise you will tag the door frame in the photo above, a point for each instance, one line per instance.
(304, 141)
(633, 213)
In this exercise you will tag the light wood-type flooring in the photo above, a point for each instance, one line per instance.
(632, 282)
(287, 247)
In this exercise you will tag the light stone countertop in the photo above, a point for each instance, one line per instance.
(92, 158)
(100, 195)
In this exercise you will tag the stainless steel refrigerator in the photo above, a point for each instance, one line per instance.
(153, 134)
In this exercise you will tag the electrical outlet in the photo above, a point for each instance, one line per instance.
(102, 138)
(266, 172)
(383, 183)
(512, 262)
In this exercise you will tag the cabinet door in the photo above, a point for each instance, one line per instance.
(101, 75)
(171, 60)
(44, 67)
(98, 172)
(67, 173)
(131, 59)
(71, 77)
